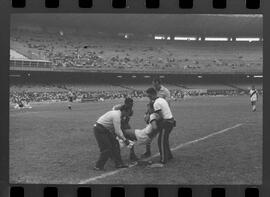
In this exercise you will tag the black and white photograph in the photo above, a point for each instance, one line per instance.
(136, 99)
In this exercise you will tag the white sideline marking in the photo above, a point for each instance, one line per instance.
(173, 149)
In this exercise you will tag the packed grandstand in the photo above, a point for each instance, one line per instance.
(36, 54)
(81, 53)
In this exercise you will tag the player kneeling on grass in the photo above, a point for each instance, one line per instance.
(106, 129)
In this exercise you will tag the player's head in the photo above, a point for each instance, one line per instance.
(129, 102)
(156, 83)
(126, 110)
(253, 87)
(151, 93)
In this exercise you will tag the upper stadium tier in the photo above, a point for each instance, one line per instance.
(127, 49)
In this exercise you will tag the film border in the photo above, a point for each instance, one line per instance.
(138, 6)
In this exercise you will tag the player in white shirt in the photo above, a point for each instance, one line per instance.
(253, 94)
(162, 92)
(107, 127)
(162, 107)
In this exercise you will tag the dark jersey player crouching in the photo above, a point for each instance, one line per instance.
(125, 125)
(107, 127)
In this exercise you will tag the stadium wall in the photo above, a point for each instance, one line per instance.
(120, 78)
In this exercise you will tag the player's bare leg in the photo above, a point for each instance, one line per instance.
(254, 107)
(132, 155)
(147, 152)
(130, 134)
(253, 104)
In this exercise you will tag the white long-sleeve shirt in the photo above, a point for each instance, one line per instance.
(112, 121)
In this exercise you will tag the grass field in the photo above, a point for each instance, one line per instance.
(218, 140)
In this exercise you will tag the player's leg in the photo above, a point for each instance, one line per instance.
(162, 149)
(130, 135)
(104, 147)
(168, 129)
(159, 142)
(69, 104)
(147, 151)
(254, 105)
(116, 152)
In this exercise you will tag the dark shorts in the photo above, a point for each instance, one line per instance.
(253, 102)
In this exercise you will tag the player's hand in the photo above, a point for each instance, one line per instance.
(131, 144)
(146, 118)
(148, 141)
(126, 142)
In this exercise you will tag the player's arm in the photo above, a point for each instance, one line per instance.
(117, 107)
(157, 109)
(117, 128)
(168, 94)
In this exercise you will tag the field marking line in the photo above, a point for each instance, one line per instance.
(157, 154)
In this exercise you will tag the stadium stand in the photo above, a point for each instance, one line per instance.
(72, 51)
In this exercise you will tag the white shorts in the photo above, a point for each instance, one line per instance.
(142, 137)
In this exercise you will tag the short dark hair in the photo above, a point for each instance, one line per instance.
(129, 101)
(151, 91)
(157, 80)
(125, 108)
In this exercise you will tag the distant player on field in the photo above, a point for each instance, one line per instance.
(253, 93)
(162, 92)
(70, 99)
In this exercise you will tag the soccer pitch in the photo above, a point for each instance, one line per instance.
(218, 140)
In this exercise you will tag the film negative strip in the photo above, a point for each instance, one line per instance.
(134, 98)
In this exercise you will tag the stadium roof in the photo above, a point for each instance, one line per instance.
(184, 24)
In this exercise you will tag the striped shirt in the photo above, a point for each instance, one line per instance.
(253, 95)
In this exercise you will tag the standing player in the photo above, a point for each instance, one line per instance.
(162, 92)
(253, 97)
(70, 99)
(162, 108)
(107, 127)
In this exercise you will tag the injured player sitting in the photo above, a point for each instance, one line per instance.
(145, 135)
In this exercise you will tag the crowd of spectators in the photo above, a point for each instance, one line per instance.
(82, 52)
(100, 95)
(25, 96)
